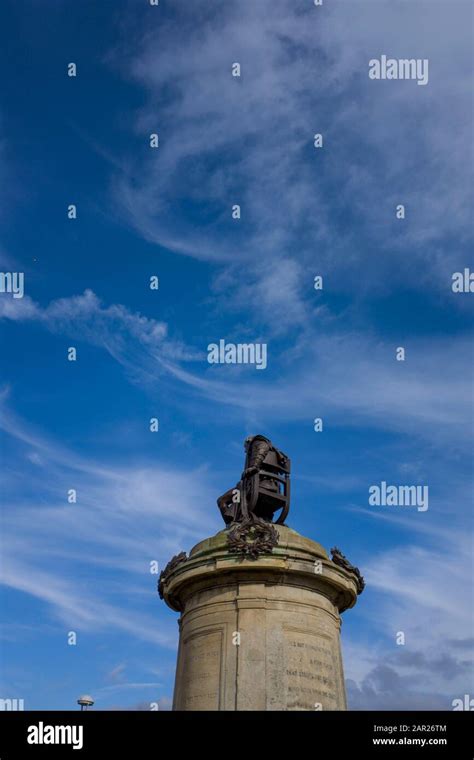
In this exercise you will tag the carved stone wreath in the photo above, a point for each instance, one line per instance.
(340, 559)
(174, 562)
(252, 537)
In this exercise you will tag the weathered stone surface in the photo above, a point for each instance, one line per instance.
(283, 608)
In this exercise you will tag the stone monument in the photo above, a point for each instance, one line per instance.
(259, 604)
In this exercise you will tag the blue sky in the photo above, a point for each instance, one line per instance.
(144, 496)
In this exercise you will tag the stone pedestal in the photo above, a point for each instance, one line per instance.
(259, 634)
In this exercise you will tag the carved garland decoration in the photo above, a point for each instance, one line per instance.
(252, 537)
(174, 562)
(340, 559)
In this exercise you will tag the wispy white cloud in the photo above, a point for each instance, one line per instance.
(357, 380)
(124, 518)
(419, 590)
(353, 377)
(249, 141)
(129, 337)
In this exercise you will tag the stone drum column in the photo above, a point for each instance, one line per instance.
(259, 623)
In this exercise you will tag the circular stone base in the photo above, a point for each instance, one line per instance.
(259, 634)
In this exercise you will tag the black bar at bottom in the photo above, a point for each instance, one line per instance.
(118, 733)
